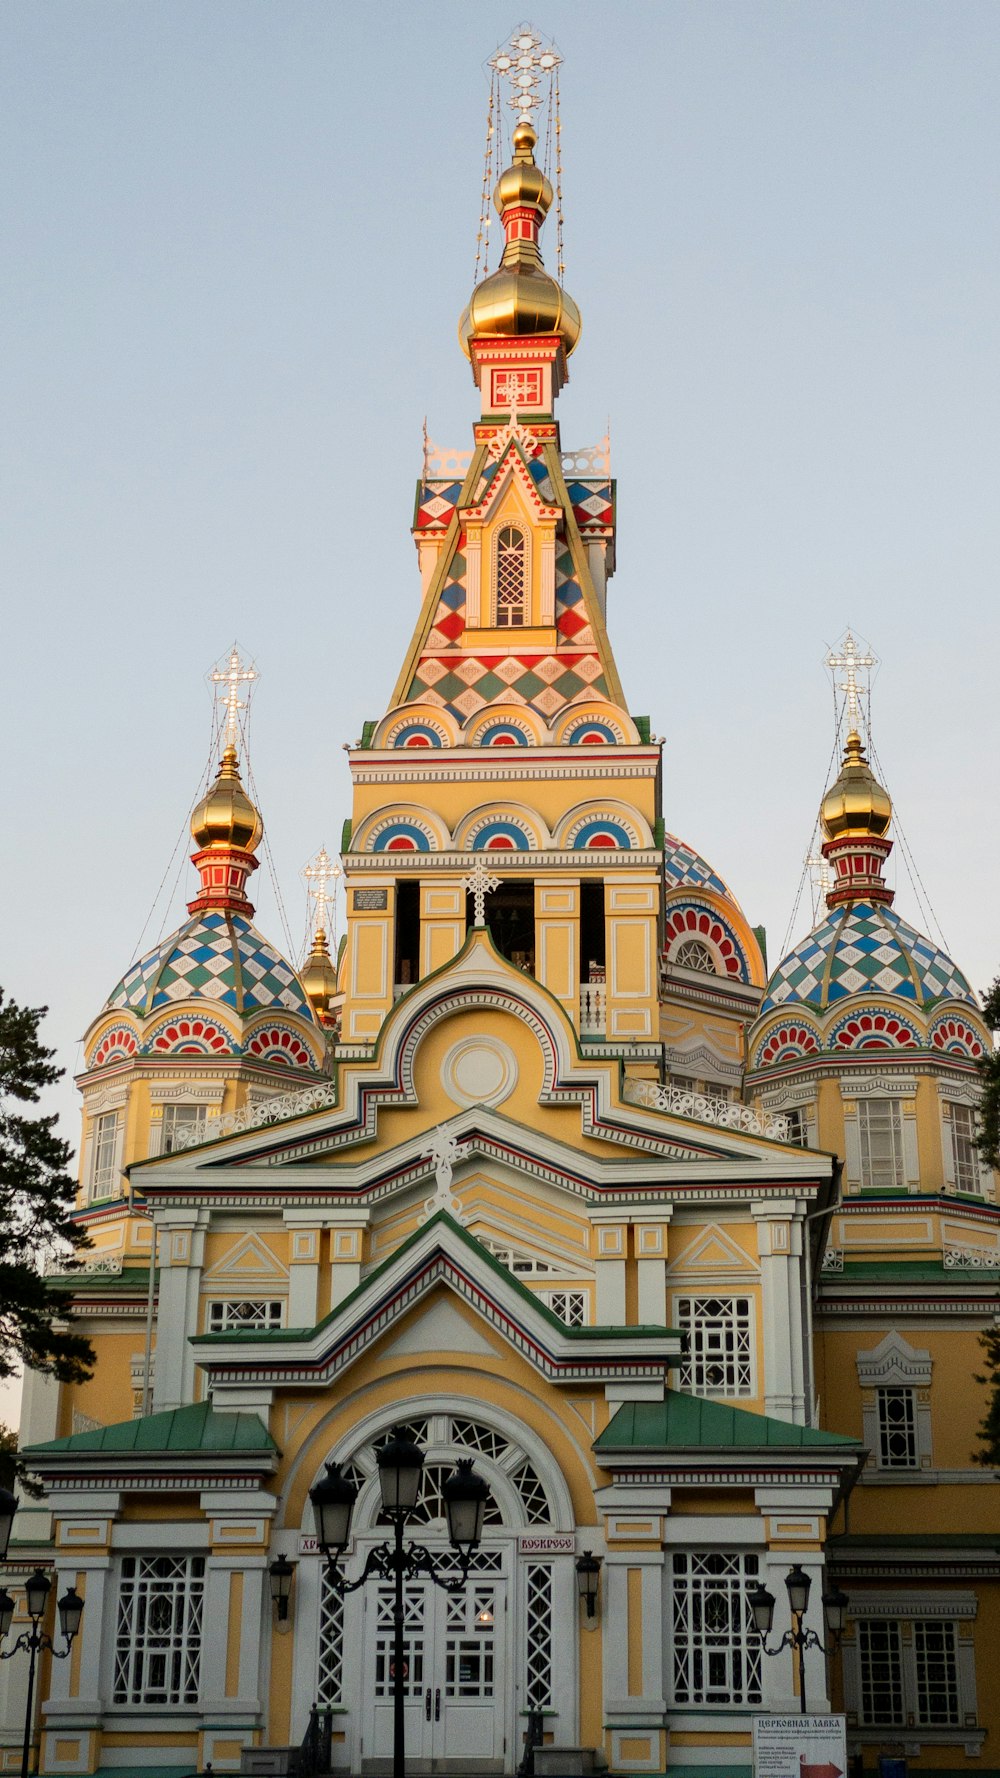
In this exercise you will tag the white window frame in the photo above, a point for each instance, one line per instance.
(896, 1414)
(881, 1174)
(731, 1343)
(173, 1587)
(895, 1364)
(571, 1306)
(864, 1091)
(175, 1116)
(244, 1314)
(914, 1617)
(107, 1134)
(724, 1656)
(525, 605)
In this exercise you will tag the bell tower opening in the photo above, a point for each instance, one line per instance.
(407, 955)
(510, 916)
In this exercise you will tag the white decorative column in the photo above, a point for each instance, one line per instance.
(181, 1253)
(779, 1241)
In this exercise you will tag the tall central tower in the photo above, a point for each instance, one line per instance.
(508, 751)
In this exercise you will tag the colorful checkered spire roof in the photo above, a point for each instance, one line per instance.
(864, 949)
(217, 957)
(686, 869)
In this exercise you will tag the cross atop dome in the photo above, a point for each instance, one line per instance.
(320, 873)
(850, 661)
(235, 674)
(524, 62)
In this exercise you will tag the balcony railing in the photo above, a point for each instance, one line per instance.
(705, 1108)
(593, 1015)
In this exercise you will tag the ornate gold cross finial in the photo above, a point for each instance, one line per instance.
(237, 673)
(319, 873)
(480, 883)
(524, 61)
(850, 661)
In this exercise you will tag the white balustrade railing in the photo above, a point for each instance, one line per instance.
(705, 1108)
(106, 1265)
(972, 1259)
(589, 460)
(256, 1117)
(593, 1017)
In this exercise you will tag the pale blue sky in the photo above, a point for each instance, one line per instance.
(237, 238)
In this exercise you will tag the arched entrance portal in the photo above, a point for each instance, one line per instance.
(477, 1659)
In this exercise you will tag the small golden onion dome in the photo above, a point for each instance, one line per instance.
(226, 816)
(319, 974)
(520, 297)
(856, 803)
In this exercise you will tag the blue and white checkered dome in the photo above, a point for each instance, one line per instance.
(862, 948)
(684, 868)
(218, 957)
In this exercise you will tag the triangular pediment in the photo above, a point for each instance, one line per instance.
(441, 1328)
(713, 1254)
(512, 468)
(441, 1267)
(249, 1262)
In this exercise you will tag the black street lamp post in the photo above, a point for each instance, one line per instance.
(798, 1583)
(37, 1588)
(400, 1464)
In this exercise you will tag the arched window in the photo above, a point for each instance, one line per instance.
(692, 954)
(511, 560)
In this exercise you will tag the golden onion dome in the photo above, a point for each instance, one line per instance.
(520, 297)
(319, 973)
(856, 803)
(226, 816)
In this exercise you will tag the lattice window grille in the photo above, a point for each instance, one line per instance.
(880, 1127)
(936, 1660)
(538, 1693)
(897, 1429)
(881, 1663)
(719, 1359)
(249, 1314)
(511, 577)
(479, 1438)
(525, 1265)
(692, 954)
(533, 1497)
(716, 1654)
(569, 1305)
(412, 1429)
(159, 1631)
(330, 1670)
(964, 1149)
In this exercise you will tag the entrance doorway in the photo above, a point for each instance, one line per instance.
(454, 1673)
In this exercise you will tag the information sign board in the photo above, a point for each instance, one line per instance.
(800, 1746)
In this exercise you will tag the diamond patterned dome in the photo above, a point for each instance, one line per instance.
(862, 948)
(684, 868)
(219, 957)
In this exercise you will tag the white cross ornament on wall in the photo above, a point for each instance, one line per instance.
(480, 883)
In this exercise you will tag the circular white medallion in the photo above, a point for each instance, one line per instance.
(479, 1071)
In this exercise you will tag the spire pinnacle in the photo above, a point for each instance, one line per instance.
(856, 810)
(321, 872)
(226, 826)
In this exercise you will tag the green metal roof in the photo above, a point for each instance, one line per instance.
(196, 1428)
(910, 1271)
(686, 1422)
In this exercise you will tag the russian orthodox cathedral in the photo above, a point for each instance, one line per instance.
(541, 1167)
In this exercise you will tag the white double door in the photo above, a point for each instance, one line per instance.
(453, 1673)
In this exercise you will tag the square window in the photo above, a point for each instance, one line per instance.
(719, 1358)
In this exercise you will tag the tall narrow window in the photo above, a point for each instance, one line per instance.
(897, 1429)
(104, 1176)
(158, 1641)
(511, 577)
(965, 1153)
(716, 1657)
(881, 1130)
(881, 1662)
